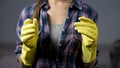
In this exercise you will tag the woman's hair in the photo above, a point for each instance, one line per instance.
(36, 9)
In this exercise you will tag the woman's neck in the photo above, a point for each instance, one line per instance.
(60, 1)
(57, 11)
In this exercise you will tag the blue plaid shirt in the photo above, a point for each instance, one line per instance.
(69, 53)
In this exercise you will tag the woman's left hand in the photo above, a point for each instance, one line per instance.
(89, 31)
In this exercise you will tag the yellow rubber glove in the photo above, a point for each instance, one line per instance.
(89, 31)
(29, 37)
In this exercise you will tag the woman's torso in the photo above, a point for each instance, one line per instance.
(66, 54)
(69, 53)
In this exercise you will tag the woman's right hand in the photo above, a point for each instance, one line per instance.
(22, 65)
(29, 37)
(29, 32)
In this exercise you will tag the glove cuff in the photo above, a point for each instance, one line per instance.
(27, 55)
(89, 54)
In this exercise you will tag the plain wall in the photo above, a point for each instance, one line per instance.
(108, 22)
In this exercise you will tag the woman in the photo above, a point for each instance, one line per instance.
(57, 34)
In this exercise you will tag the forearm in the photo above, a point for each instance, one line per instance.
(90, 65)
(21, 64)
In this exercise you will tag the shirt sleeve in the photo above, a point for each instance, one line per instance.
(25, 14)
(89, 12)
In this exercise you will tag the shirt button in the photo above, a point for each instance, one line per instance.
(63, 30)
(80, 8)
(60, 45)
(67, 17)
(71, 6)
(57, 59)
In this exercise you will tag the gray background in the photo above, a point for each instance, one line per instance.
(108, 24)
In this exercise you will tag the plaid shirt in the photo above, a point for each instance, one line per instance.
(69, 53)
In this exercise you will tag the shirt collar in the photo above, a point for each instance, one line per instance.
(78, 4)
(44, 4)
